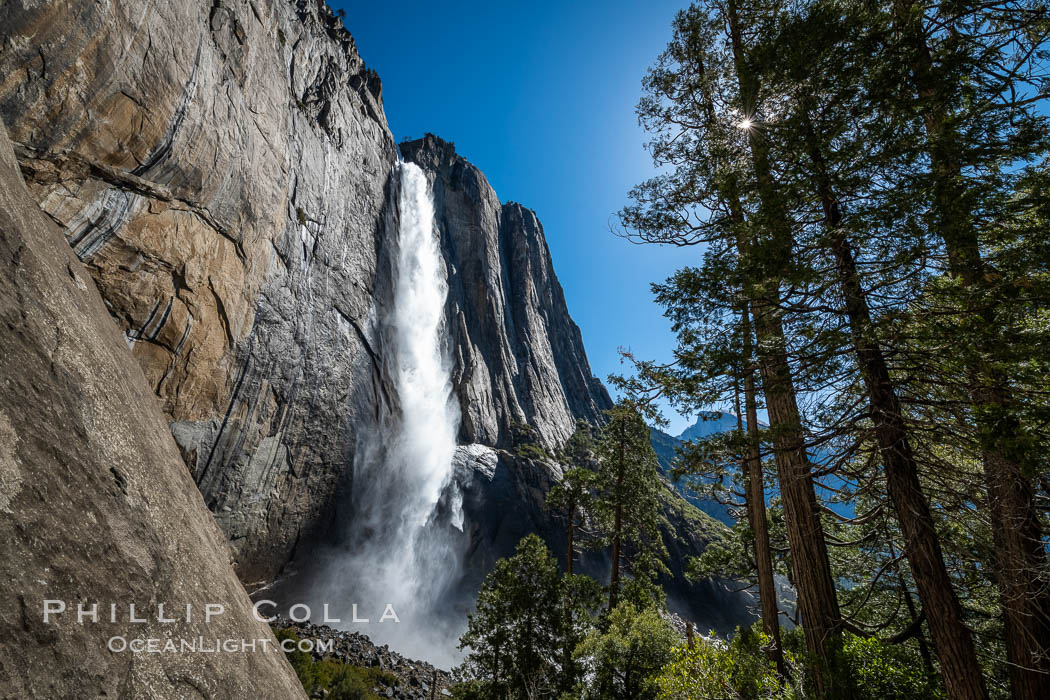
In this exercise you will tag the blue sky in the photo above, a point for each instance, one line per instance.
(541, 97)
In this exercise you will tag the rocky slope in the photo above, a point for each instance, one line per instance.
(96, 505)
(412, 680)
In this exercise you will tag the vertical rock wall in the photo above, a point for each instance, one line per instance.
(518, 355)
(96, 507)
(222, 169)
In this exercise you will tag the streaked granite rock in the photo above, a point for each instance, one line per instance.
(223, 170)
(518, 355)
(96, 505)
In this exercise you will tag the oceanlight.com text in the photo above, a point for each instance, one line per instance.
(201, 645)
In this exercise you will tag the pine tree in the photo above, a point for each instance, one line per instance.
(572, 497)
(973, 73)
(821, 85)
(625, 656)
(627, 501)
(526, 626)
(862, 180)
(755, 497)
(751, 240)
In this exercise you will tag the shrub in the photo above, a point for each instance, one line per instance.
(889, 670)
(740, 670)
(624, 661)
(340, 681)
(735, 670)
(526, 442)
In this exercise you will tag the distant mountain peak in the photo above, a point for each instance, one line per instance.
(710, 423)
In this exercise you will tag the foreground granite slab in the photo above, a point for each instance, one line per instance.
(96, 504)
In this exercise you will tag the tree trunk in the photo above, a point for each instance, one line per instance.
(913, 617)
(614, 576)
(569, 534)
(817, 599)
(756, 510)
(1020, 560)
(951, 637)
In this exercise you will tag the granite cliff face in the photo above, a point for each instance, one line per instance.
(96, 507)
(223, 170)
(518, 356)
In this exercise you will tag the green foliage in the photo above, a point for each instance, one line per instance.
(888, 671)
(572, 493)
(913, 136)
(526, 443)
(739, 670)
(578, 450)
(705, 527)
(730, 555)
(847, 204)
(581, 598)
(532, 451)
(470, 690)
(338, 681)
(528, 621)
(623, 659)
(300, 216)
(573, 500)
(628, 489)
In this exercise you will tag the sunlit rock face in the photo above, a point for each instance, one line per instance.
(97, 512)
(223, 169)
(518, 355)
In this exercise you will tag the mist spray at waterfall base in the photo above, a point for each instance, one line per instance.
(403, 543)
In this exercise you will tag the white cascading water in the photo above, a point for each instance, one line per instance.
(401, 551)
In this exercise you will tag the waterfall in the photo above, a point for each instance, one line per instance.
(398, 496)
(401, 548)
(426, 437)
